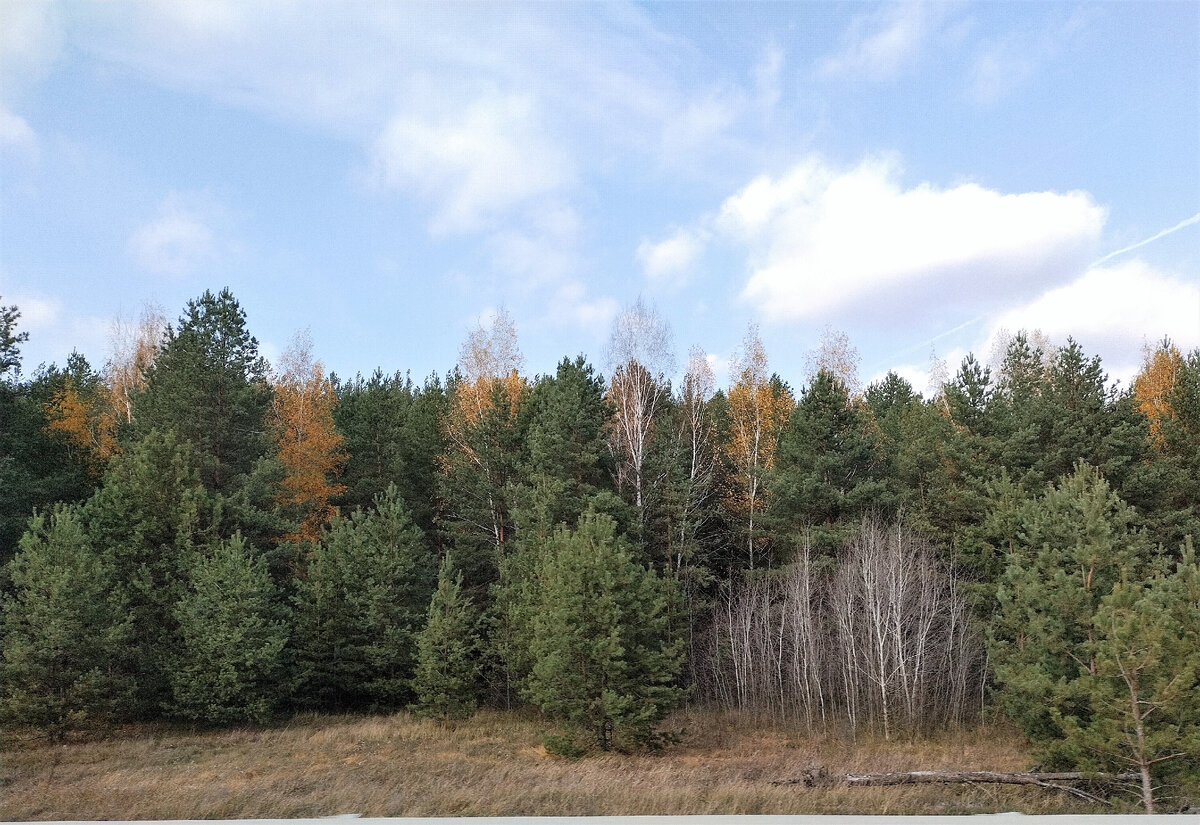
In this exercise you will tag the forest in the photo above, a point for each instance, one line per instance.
(191, 534)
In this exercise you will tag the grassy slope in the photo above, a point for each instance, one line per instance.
(491, 765)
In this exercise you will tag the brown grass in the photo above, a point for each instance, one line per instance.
(492, 765)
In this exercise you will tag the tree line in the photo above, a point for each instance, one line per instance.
(192, 534)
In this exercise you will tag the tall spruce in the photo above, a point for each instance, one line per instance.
(828, 467)
(146, 518)
(1072, 545)
(1141, 711)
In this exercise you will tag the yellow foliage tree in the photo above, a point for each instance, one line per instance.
(758, 412)
(1152, 388)
(85, 420)
(311, 449)
(489, 359)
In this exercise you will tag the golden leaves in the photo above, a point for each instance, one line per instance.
(311, 449)
(1152, 388)
(86, 423)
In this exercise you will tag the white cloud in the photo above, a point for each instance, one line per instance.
(668, 261)
(55, 331)
(572, 307)
(472, 164)
(720, 368)
(176, 242)
(878, 46)
(767, 77)
(1004, 64)
(30, 40)
(16, 133)
(544, 250)
(820, 241)
(1111, 311)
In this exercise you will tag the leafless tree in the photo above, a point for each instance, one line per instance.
(641, 359)
(884, 639)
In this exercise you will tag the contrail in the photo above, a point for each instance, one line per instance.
(1188, 222)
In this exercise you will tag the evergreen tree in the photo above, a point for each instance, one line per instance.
(447, 666)
(564, 435)
(393, 433)
(486, 436)
(1070, 548)
(40, 466)
(358, 607)
(65, 631)
(604, 658)
(10, 341)
(147, 516)
(228, 666)
(209, 385)
(828, 471)
(1141, 709)
(912, 442)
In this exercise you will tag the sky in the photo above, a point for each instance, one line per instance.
(927, 178)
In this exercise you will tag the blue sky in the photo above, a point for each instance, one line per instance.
(920, 176)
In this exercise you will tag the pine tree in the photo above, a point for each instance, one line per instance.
(209, 385)
(66, 631)
(228, 666)
(447, 651)
(358, 607)
(828, 471)
(146, 518)
(1071, 547)
(1141, 710)
(604, 659)
(564, 433)
(393, 433)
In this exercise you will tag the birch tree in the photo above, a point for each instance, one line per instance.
(759, 406)
(641, 359)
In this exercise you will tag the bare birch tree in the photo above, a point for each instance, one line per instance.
(133, 348)
(641, 358)
(883, 640)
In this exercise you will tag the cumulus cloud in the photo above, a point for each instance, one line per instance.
(821, 240)
(1112, 311)
(472, 164)
(668, 262)
(176, 242)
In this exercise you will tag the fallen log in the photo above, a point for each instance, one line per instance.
(818, 777)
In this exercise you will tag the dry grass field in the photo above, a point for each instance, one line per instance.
(492, 765)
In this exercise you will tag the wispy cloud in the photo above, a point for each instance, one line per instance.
(878, 46)
(17, 134)
(178, 240)
(474, 163)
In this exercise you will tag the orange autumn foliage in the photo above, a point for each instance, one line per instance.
(1152, 388)
(311, 449)
(88, 424)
